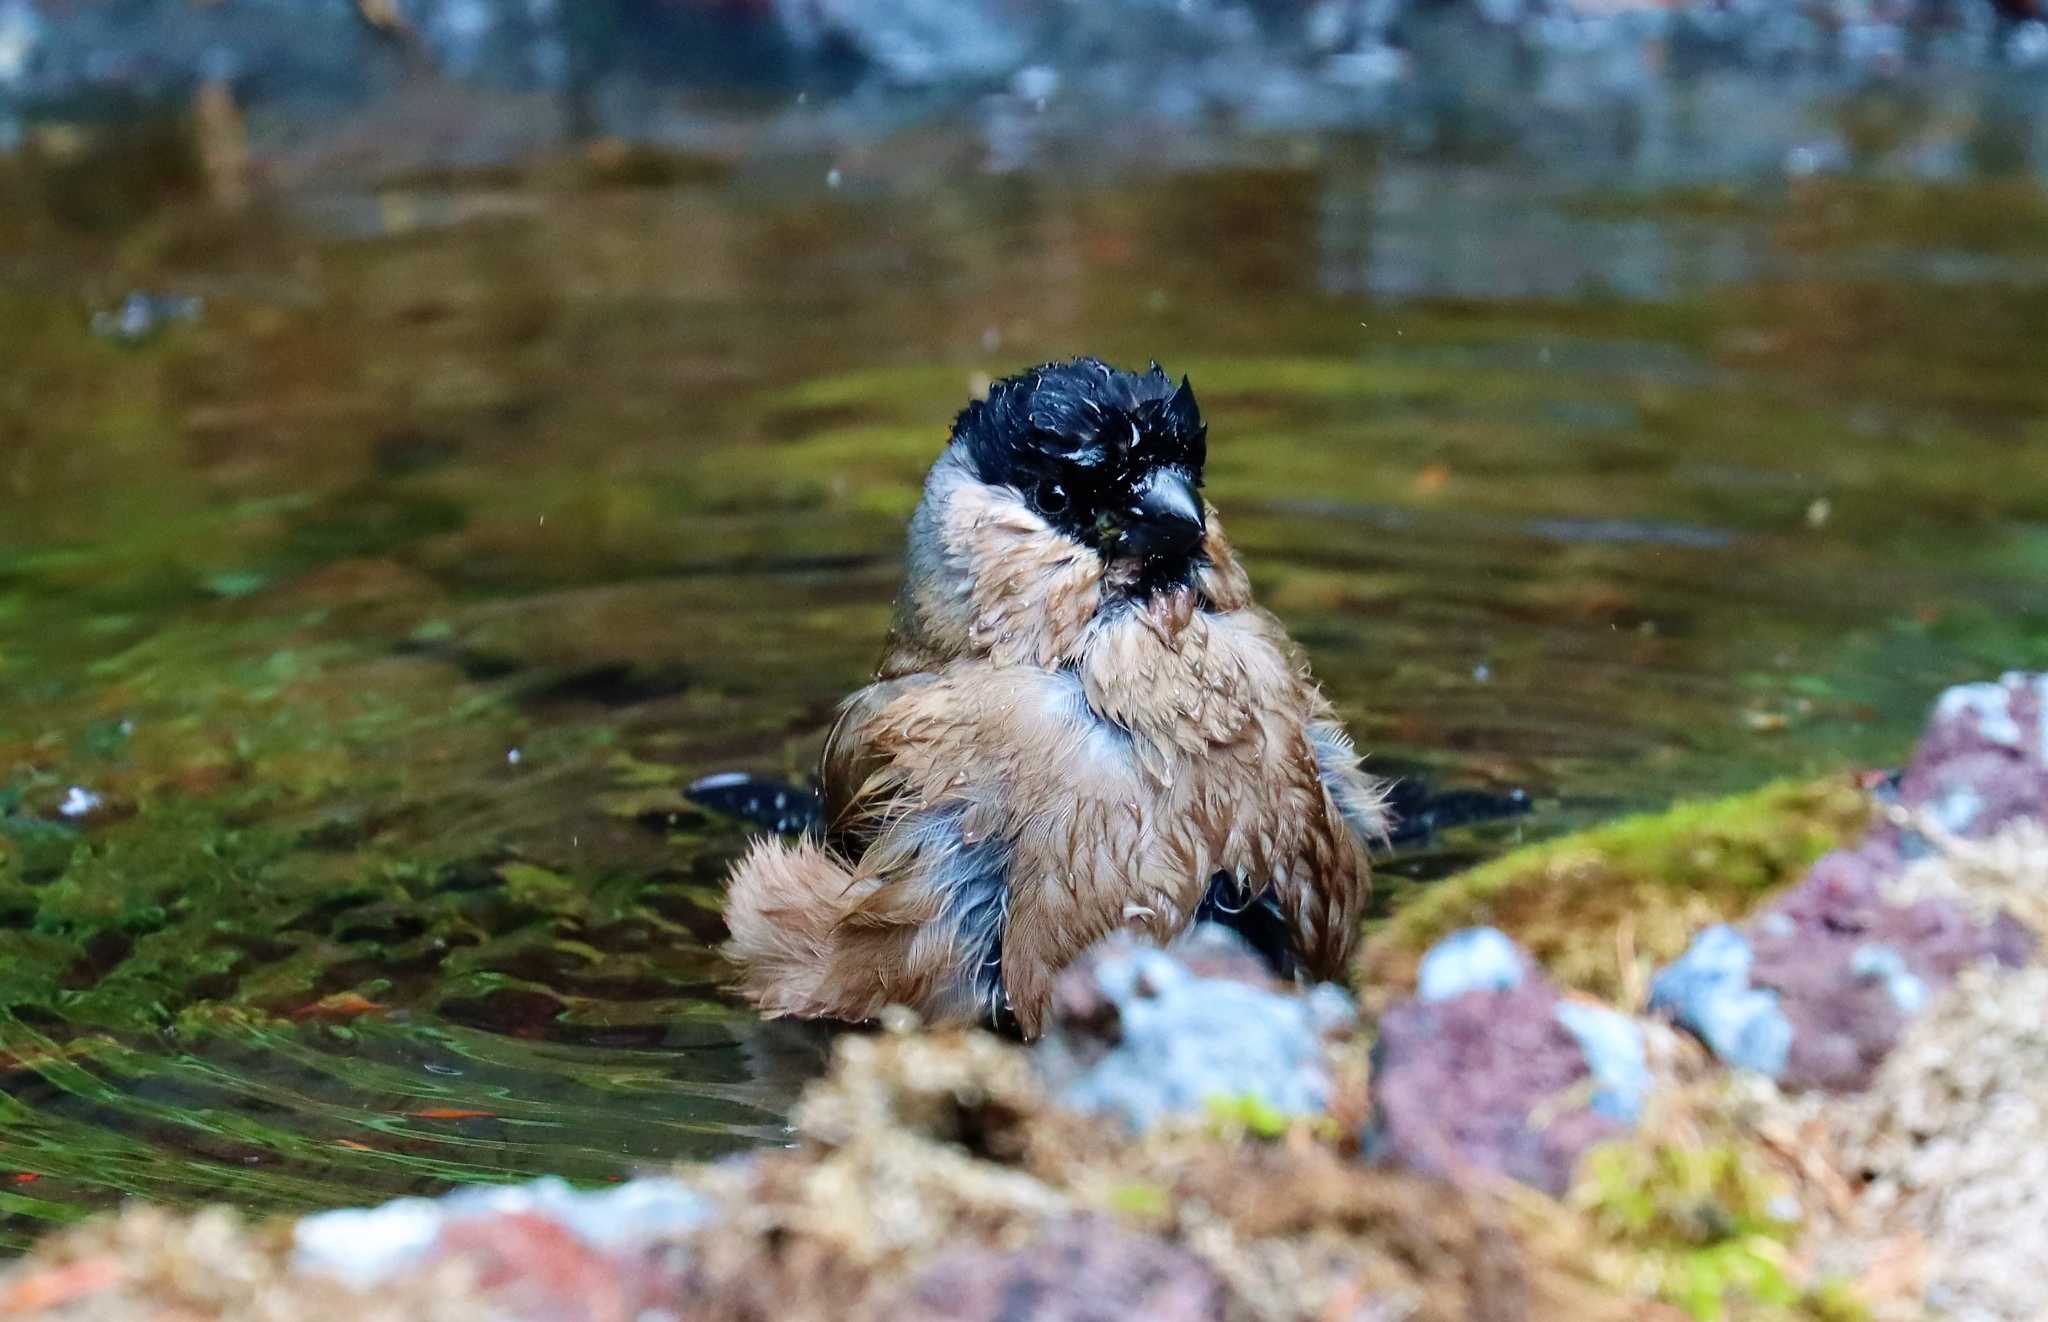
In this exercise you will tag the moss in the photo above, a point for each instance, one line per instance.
(1600, 908)
(1139, 1200)
(1700, 1212)
(1706, 1210)
(1248, 1116)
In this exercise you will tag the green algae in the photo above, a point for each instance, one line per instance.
(210, 987)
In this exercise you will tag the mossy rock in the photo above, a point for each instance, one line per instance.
(1603, 908)
(1696, 1210)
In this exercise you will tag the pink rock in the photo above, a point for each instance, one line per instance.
(1458, 1086)
(537, 1270)
(1085, 1269)
(1847, 968)
(1984, 759)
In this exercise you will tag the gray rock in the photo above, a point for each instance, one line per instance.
(1886, 965)
(1613, 1046)
(1478, 958)
(1139, 1033)
(1414, 68)
(1708, 991)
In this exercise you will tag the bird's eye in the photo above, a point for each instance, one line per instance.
(1053, 498)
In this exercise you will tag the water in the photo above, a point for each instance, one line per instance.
(385, 607)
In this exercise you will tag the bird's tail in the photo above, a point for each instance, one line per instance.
(782, 907)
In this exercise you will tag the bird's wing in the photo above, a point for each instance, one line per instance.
(948, 789)
(1360, 799)
(856, 750)
(917, 789)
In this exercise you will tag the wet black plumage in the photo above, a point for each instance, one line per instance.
(1075, 438)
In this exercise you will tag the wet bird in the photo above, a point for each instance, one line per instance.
(1081, 723)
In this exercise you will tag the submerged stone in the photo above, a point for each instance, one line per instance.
(79, 802)
(142, 314)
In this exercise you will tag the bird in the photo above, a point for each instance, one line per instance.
(1081, 723)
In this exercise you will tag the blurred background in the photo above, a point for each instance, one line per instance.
(433, 432)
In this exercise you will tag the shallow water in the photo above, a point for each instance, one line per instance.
(385, 608)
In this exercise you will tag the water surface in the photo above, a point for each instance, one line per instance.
(379, 614)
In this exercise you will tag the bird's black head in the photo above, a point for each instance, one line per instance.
(1111, 459)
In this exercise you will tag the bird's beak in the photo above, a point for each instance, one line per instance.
(1166, 518)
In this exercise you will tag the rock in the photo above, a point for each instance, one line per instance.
(1983, 762)
(1491, 1074)
(1950, 1142)
(537, 1270)
(928, 1179)
(21, 31)
(79, 802)
(1612, 1044)
(1658, 878)
(148, 1263)
(1817, 989)
(370, 1245)
(1709, 992)
(1149, 1035)
(143, 314)
(1476, 959)
(1086, 1013)
(1884, 965)
(919, 43)
(1083, 1269)
(945, 1088)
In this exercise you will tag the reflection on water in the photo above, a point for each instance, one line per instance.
(1417, 231)
(388, 607)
